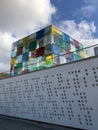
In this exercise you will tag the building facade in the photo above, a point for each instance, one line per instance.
(45, 48)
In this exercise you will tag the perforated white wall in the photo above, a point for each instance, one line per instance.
(65, 95)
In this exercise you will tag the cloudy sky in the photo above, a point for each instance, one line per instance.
(19, 18)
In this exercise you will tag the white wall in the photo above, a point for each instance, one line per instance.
(65, 95)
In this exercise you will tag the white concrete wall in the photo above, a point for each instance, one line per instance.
(65, 95)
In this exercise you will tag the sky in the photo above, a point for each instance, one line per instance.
(19, 18)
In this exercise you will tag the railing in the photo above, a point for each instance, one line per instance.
(5, 74)
(83, 54)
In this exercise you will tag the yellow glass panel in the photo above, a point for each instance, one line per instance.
(25, 41)
(49, 57)
(83, 54)
(55, 30)
(13, 61)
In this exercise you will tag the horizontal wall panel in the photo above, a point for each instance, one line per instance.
(64, 95)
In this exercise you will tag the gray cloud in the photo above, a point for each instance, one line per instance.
(6, 40)
(20, 17)
(24, 15)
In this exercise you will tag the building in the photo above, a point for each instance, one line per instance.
(65, 94)
(45, 48)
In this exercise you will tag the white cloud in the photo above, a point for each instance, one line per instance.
(91, 1)
(86, 29)
(24, 15)
(6, 40)
(83, 32)
(88, 10)
(21, 17)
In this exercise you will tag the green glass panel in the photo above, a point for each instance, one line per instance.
(32, 45)
(76, 57)
(19, 65)
(62, 43)
(48, 30)
(48, 63)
